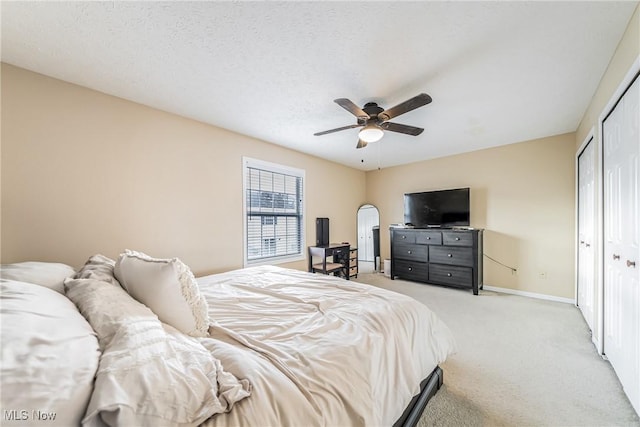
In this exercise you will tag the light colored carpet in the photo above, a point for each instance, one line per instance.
(520, 362)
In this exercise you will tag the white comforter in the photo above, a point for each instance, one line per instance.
(319, 350)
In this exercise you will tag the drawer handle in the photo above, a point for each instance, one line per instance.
(408, 252)
(448, 274)
(410, 268)
(428, 238)
(449, 255)
(588, 245)
(631, 263)
(615, 257)
(457, 238)
(404, 237)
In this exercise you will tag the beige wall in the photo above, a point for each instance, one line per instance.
(85, 173)
(521, 194)
(627, 51)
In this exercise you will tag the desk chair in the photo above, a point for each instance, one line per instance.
(324, 266)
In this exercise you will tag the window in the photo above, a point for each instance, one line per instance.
(273, 212)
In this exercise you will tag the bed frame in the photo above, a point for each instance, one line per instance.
(428, 388)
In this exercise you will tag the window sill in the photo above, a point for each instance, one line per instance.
(274, 260)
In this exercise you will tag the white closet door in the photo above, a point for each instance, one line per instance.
(586, 233)
(621, 149)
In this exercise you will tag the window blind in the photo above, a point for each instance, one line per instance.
(274, 218)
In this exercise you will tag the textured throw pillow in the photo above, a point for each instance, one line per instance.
(47, 274)
(168, 288)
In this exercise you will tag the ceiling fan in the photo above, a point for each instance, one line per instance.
(374, 120)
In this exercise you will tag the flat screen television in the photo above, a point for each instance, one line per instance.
(443, 208)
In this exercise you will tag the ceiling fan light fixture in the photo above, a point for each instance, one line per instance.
(371, 133)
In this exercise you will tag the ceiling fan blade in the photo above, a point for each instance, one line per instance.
(337, 129)
(405, 107)
(397, 127)
(361, 144)
(352, 108)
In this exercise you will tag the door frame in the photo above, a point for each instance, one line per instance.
(366, 206)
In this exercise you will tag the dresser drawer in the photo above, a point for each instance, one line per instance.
(411, 252)
(451, 275)
(429, 238)
(451, 255)
(457, 238)
(400, 237)
(411, 270)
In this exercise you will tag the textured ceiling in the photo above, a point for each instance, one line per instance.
(498, 72)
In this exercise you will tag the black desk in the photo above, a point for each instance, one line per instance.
(339, 252)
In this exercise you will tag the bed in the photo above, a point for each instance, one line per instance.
(140, 341)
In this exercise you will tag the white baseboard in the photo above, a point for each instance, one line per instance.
(529, 294)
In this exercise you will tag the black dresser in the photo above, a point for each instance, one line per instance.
(451, 257)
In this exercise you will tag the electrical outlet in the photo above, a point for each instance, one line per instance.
(542, 275)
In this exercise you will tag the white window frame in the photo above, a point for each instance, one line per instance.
(248, 162)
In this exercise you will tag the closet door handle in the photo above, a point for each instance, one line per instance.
(631, 263)
(615, 257)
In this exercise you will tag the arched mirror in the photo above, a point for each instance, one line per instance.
(368, 239)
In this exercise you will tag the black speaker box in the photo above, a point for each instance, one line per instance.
(322, 231)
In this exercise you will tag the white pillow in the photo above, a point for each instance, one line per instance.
(48, 274)
(49, 356)
(168, 288)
